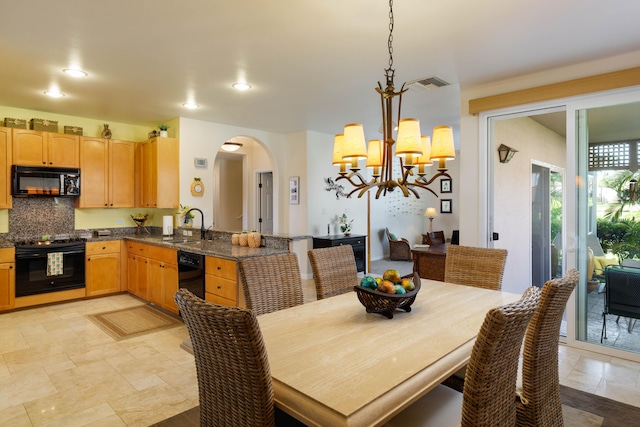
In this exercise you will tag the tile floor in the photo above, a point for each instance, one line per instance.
(618, 335)
(58, 369)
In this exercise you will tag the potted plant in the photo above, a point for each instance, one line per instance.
(345, 224)
(163, 130)
(186, 216)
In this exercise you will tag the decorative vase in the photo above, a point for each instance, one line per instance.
(254, 239)
(189, 222)
(235, 239)
(244, 239)
(164, 133)
(347, 234)
(106, 132)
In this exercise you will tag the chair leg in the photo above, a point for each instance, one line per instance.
(604, 327)
(630, 324)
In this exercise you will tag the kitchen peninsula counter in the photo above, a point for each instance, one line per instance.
(216, 248)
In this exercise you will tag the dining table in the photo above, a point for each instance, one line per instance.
(334, 364)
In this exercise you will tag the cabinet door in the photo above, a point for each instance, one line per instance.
(155, 278)
(29, 147)
(121, 174)
(132, 274)
(142, 276)
(167, 172)
(94, 165)
(149, 174)
(63, 150)
(5, 168)
(170, 287)
(7, 285)
(103, 274)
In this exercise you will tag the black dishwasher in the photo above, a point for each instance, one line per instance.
(191, 272)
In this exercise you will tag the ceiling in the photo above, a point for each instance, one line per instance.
(313, 64)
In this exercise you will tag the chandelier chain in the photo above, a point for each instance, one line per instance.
(390, 41)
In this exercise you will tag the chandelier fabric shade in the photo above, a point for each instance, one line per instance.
(374, 156)
(409, 142)
(442, 146)
(354, 145)
(338, 143)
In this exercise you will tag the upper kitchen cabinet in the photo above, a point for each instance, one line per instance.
(37, 148)
(107, 167)
(5, 168)
(157, 175)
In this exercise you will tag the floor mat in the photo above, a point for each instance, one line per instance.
(133, 321)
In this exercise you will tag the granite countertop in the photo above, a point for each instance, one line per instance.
(5, 243)
(217, 248)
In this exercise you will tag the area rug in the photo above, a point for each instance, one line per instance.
(133, 321)
(579, 409)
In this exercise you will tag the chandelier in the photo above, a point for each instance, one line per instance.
(412, 148)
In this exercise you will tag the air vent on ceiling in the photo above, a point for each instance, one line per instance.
(429, 83)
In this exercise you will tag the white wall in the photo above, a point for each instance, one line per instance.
(512, 197)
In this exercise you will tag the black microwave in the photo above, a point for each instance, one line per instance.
(30, 181)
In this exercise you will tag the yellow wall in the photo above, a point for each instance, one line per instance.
(95, 218)
(117, 218)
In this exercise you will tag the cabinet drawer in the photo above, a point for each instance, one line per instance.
(170, 256)
(106, 247)
(221, 267)
(222, 287)
(7, 255)
(133, 248)
(354, 241)
(219, 300)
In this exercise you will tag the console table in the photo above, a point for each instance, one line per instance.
(357, 242)
(429, 262)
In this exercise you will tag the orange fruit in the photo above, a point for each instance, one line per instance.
(387, 287)
(392, 276)
(407, 284)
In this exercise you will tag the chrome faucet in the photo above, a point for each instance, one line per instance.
(202, 229)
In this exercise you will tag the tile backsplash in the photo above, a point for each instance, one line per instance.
(35, 217)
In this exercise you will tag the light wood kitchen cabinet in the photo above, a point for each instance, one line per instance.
(7, 278)
(37, 148)
(157, 180)
(153, 273)
(5, 168)
(108, 179)
(221, 281)
(102, 267)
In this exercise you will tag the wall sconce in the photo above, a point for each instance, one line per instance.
(506, 153)
(430, 213)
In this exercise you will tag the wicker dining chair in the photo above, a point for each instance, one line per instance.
(480, 267)
(538, 402)
(435, 238)
(271, 283)
(232, 366)
(488, 396)
(334, 270)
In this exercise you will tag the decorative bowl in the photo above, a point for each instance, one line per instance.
(384, 303)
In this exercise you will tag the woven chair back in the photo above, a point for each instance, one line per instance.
(540, 403)
(234, 380)
(435, 238)
(488, 396)
(271, 283)
(334, 270)
(479, 267)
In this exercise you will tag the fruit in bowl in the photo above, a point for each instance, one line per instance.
(392, 276)
(369, 282)
(387, 287)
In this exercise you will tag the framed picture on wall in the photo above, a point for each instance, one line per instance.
(294, 190)
(445, 185)
(445, 206)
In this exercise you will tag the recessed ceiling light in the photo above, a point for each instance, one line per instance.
(74, 73)
(190, 105)
(54, 94)
(241, 86)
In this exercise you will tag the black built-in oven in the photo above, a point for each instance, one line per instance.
(32, 275)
